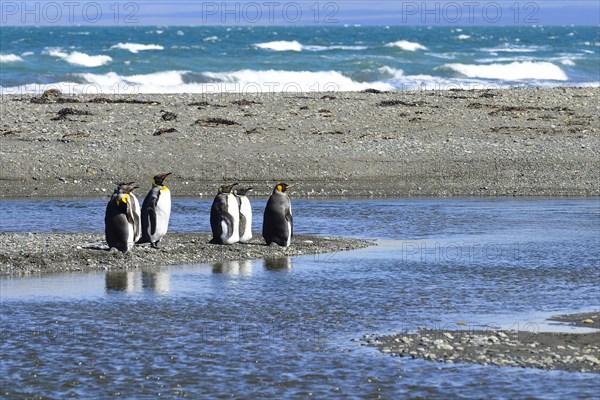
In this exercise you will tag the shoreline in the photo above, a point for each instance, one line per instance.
(26, 254)
(456, 143)
(573, 352)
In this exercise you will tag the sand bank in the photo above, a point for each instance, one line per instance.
(518, 142)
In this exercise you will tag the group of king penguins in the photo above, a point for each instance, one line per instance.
(126, 224)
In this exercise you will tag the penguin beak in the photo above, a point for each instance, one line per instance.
(167, 174)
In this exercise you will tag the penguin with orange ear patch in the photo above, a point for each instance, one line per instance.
(278, 223)
(119, 223)
(156, 212)
(225, 216)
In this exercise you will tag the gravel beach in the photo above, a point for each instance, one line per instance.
(35, 253)
(517, 142)
(577, 352)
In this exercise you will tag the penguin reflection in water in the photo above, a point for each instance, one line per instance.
(278, 223)
(119, 221)
(245, 214)
(156, 212)
(225, 216)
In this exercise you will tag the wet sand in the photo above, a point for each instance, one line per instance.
(36, 253)
(576, 352)
(517, 142)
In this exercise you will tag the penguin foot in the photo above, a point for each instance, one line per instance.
(154, 245)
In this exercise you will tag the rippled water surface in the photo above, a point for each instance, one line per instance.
(284, 327)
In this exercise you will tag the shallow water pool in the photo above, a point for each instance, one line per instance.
(285, 327)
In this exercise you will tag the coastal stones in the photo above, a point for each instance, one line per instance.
(447, 151)
(548, 351)
(27, 253)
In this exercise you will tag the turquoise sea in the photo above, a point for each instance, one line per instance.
(145, 59)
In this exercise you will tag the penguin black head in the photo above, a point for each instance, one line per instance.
(282, 187)
(242, 191)
(158, 179)
(227, 188)
(126, 187)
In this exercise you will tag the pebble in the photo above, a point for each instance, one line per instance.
(501, 348)
(23, 257)
(326, 159)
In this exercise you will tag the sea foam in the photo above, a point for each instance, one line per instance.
(280, 45)
(6, 58)
(293, 81)
(406, 45)
(137, 47)
(284, 45)
(82, 59)
(511, 72)
(241, 81)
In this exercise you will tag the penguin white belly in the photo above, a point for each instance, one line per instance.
(246, 211)
(137, 217)
(234, 211)
(130, 236)
(163, 214)
(289, 230)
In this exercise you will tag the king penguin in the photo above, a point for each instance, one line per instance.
(278, 223)
(118, 221)
(128, 188)
(245, 214)
(156, 212)
(225, 217)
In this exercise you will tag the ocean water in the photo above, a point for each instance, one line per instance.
(285, 329)
(142, 59)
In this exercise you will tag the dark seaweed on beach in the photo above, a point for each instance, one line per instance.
(328, 97)
(371, 90)
(392, 103)
(64, 112)
(49, 96)
(244, 102)
(162, 131)
(202, 104)
(168, 116)
(75, 134)
(487, 95)
(199, 104)
(6, 132)
(121, 101)
(216, 121)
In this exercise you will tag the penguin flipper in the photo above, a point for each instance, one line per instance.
(224, 214)
(130, 217)
(229, 219)
(152, 217)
